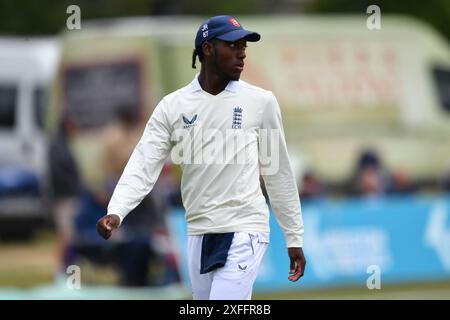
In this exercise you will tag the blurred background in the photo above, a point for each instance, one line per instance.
(366, 113)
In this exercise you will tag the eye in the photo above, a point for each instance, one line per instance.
(233, 45)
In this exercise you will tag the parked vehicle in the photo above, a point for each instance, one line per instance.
(27, 67)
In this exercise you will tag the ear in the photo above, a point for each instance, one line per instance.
(207, 49)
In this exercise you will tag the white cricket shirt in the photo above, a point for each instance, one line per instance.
(222, 144)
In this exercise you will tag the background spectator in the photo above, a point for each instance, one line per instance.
(66, 186)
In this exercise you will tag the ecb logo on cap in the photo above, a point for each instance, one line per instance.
(234, 22)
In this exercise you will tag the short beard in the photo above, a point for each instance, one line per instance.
(224, 76)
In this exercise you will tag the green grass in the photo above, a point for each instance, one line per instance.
(409, 291)
(26, 264)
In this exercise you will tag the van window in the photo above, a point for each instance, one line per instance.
(93, 94)
(8, 98)
(40, 102)
(442, 78)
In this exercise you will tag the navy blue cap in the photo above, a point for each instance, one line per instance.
(224, 28)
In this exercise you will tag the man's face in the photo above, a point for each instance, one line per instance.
(228, 58)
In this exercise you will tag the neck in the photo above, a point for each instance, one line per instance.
(212, 82)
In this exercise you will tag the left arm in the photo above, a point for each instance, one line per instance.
(281, 187)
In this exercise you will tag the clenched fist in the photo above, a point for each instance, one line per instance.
(107, 224)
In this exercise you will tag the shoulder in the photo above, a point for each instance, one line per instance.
(256, 91)
(177, 94)
(164, 105)
(167, 106)
(265, 98)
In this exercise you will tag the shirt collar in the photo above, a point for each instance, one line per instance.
(232, 86)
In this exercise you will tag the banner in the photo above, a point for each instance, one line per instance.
(400, 239)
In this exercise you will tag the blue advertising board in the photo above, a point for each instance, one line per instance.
(346, 241)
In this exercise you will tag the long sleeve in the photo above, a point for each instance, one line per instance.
(144, 166)
(278, 175)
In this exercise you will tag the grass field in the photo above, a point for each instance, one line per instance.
(25, 265)
(412, 291)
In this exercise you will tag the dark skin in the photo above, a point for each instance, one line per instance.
(107, 224)
(222, 62)
(298, 263)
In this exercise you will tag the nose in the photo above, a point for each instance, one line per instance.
(241, 54)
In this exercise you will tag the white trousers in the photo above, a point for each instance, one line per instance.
(233, 281)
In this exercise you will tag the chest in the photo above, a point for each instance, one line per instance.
(217, 113)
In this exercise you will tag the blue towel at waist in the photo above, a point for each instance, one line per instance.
(215, 248)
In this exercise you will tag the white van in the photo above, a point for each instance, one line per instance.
(27, 67)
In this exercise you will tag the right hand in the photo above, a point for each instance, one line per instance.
(107, 224)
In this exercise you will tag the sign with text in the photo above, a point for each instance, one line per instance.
(347, 242)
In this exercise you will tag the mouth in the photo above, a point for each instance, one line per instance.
(239, 66)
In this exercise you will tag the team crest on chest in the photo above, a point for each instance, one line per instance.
(237, 118)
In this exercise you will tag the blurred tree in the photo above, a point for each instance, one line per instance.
(435, 12)
(32, 17)
(211, 8)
